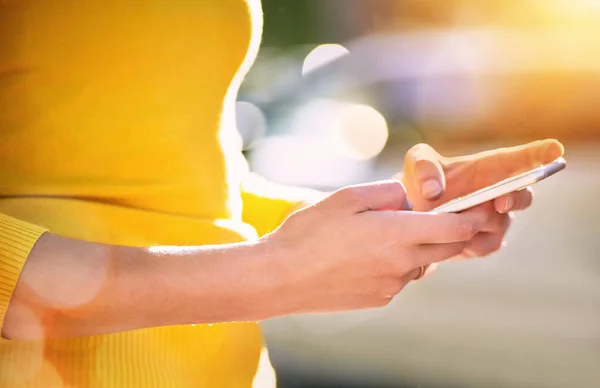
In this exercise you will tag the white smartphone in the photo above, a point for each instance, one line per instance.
(501, 188)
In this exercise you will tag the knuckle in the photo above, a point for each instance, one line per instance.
(391, 191)
(390, 288)
(490, 246)
(528, 196)
(493, 220)
(478, 253)
(382, 302)
(490, 212)
(483, 254)
(517, 200)
(464, 230)
(301, 216)
(502, 222)
(448, 251)
(350, 195)
(469, 252)
(293, 218)
(456, 249)
(483, 251)
(487, 217)
(395, 188)
(507, 221)
(530, 192)
(414, 151)
(298, 214)
(496, 245)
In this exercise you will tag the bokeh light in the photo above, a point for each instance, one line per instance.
(354, 131)
(304, 161)
(251, 122)
(327, 143)
(323, 55)
(359, 131)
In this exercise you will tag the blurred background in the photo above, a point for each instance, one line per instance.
(342, 88)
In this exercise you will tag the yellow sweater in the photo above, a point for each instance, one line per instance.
(117, 126)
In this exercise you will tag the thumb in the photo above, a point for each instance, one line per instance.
(382, 195)
(422, 162)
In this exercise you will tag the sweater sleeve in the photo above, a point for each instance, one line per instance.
(266, 205)
(17, 239)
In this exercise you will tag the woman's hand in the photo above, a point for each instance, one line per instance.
(432, 179)
(357, 249)
(354, 249)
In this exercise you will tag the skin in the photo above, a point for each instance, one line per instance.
(312, 263)
(432, 179)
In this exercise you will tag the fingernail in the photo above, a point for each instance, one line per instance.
(431, 189)
(508, 204)
(552, 150)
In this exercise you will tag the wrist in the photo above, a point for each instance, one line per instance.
(261, 279)
(209, 284)
(236, 282)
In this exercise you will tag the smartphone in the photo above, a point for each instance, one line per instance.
(502, 188)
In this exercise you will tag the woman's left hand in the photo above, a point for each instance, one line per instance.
(432, 179)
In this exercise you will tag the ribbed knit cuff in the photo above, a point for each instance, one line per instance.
(17, 238)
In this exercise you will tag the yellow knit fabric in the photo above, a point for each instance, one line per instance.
(17, 239)
(117, 126)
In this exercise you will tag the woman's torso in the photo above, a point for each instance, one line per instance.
(116, 125)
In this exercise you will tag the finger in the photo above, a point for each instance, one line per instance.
(494, 221)
(423, 163)
(412, 275)
(382, 195)
(430, 228)
(513, 160)
(430, 269)
(428, 254)
(518, 200)
(416, 273)
(483, 244)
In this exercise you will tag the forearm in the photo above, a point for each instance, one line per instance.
(74, 288)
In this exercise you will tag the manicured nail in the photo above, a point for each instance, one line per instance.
(509, 202)
(431, 188)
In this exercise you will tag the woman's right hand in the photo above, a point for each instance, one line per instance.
(355, 249)
(359, 247)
